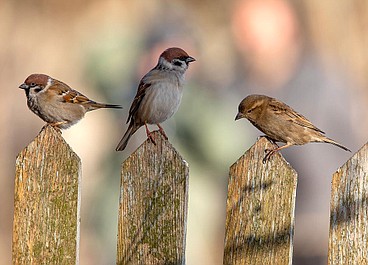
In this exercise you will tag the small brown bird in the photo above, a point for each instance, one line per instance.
(158, 94)
(56, 103)
(280, 123)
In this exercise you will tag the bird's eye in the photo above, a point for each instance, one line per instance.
(32, 84)
(250, 110)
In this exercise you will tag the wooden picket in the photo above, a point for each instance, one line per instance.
(153, 205)
(260, 209)
(348, 241)
(47, 202)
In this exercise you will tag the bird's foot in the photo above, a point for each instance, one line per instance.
(56, 125)
(269, 153)
(149, 135)
(161, 130)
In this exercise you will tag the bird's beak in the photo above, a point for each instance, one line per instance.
(238, 116)
(190, 59)
(24, 86)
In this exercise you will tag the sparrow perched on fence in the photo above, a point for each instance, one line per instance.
(280, 123)
(159, 94)
(56, 103)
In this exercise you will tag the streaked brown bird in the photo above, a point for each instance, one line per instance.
(280, 123)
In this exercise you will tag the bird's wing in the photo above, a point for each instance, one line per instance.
(141, 92)
(75, 97)
(283, 109)
(69, 95)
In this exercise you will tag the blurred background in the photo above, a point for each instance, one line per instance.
(311, 54)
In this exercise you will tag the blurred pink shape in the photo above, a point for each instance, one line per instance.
(266, 32)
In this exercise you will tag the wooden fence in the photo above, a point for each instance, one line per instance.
(154, 204)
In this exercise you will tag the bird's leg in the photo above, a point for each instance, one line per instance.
(149, 134)
(272, 141)
(273, 151)
(56, 125)
(162, 131)
(268, 155)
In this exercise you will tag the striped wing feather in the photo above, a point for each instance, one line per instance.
(283, 109)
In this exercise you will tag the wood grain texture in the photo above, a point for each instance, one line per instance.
(348, 241)
(260, 209)
(47, 202)
(153, 205)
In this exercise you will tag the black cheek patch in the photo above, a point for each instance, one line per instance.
(178, 63)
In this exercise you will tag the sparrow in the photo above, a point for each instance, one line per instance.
(158, 95)
(280, 123)
(56, 103)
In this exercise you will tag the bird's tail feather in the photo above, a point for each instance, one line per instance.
(96, 105)
(124, 141)
(330, 141)
(112, 106)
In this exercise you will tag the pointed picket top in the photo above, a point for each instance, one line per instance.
(47, 202)
(348, 241)
(260, 208)
(153, 205)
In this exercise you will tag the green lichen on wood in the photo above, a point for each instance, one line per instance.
(46, 202)
(153, 206)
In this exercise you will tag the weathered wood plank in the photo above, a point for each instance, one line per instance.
(260, 209)
(153, 205)
(47, 202)
(348, 241)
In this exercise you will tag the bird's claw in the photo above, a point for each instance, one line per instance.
(149, 134)
(268, 155)
(163, 134)
(150, 137)
(55, 126)
(161, 130)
